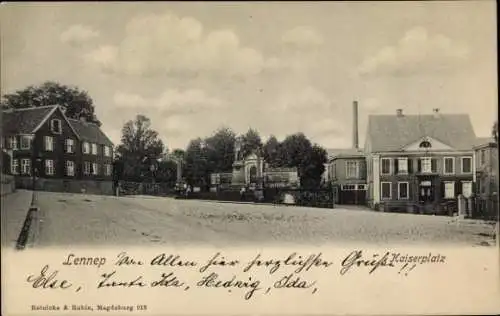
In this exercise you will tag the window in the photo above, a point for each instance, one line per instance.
(14, 166)
(425, 144)
(49, 167)
(86, 168)
(403, 190)
(25, 142)
(55, 126)
(25, 166)
(482, 157)
(386, 190)
(13, 142)
(107, 151)
(351, 169)
(70, 145)
(386, 165)
(107, 169)
(348, 187)
(361, 186)
(95, 169)
(94, 149)
(70, 168)
(467, 188)
(426, 165)
(402, 165)
(49, 143)
(449, 165)
(449, 190)
(86, 148)
(466, 164)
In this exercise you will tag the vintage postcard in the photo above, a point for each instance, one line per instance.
(249, 158)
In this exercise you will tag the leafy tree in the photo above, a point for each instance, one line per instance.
(251, 141)
(494, 131)
(271, 152)
(167, 172)
(297, 151)
(220, 150)
(313, 167)
(294, 150)
(140, 145)
(76, 102)
(197, 167)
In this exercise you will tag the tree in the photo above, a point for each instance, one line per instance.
(297, 151)
(139, 146)
(494, 131)
(271, 152)
(294, 150)
(251, 141)
(197, 171)
(220, 150)
(313, 167)
(77, 103)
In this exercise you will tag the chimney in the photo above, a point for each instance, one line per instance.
(399, 112)
(436, 112)
(355, 140)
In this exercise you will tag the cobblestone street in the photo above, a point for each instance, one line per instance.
(74, 219)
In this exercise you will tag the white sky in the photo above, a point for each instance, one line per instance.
(277, 67)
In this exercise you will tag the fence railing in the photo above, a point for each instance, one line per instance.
(486, 208)
(286, 196)
(140, 188)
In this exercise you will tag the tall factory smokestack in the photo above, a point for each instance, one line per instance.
(355, 140)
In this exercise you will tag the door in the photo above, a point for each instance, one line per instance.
(426, 192)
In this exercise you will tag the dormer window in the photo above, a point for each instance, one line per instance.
(55, 126)
(425, 144)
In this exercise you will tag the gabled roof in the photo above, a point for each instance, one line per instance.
(90, 132)
(24, 121)
(392, 133)
(29, 120)
(344, 152)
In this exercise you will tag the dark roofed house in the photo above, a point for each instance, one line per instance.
(418, 162)
(64, 154)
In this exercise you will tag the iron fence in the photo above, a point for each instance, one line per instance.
(486, 207)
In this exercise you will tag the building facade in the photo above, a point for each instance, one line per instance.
(346, 169)
(486, 152)
(63, 154)
(419, 161)
(347, 173)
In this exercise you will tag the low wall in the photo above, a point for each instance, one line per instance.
(70, 186)
(8, 184)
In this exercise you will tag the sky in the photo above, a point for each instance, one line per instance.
(279, 67)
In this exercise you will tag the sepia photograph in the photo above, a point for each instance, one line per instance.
(249, 158)
(249, 123)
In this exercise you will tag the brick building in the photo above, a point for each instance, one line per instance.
(64, 154)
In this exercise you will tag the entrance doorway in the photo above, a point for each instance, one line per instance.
(426, 192)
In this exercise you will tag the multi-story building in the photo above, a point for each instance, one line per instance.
(419, 161)
(346, 169)
(64, 154)
(486, 152)
(347, 173)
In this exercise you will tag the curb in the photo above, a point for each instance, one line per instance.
(29, 231)
(254, 203)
